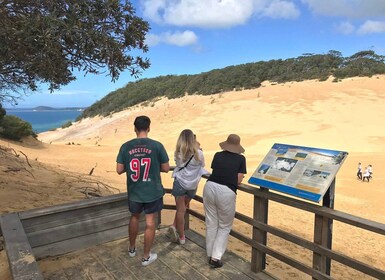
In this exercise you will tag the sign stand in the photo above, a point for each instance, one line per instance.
(260, 214)
(323, 232)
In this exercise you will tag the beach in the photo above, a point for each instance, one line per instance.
(346, 116)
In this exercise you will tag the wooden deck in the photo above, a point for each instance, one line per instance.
(111, 261)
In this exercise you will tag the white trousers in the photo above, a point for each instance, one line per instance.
(219, 204)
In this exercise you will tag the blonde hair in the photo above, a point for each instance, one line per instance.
(186, 146)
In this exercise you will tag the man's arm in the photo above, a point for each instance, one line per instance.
(165, 167)
(120, 168)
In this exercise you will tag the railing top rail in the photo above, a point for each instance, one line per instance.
(313, 208)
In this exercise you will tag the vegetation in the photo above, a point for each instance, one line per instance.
(67, 124)
(14, 128)
(245, 76)
(45, 41)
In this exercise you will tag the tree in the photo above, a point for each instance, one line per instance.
(44, 41)
(2, 112)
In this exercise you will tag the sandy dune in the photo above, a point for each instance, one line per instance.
(345, 116)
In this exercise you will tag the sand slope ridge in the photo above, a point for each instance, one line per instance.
(346, 116)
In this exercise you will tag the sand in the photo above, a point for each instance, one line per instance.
(346, 116)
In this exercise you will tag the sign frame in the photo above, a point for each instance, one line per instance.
(300, 171)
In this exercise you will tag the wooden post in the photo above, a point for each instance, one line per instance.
(323, 232)
(260, 213)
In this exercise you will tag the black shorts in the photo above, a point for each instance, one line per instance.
(147, 207)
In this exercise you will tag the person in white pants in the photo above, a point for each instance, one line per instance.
(219, 197)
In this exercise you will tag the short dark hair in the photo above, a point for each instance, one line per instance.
(142, 123)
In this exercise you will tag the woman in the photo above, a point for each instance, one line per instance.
(187, 174)
(366, 174)
(219, 195)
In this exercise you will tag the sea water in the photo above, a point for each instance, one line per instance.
(45, 120)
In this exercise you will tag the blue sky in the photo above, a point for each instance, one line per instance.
(195, 36)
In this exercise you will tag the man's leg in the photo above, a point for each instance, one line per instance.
(149, 234)
(133, 229)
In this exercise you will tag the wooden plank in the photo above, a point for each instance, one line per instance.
(134, 265)
(58, 275)
(94, 269)
(76, 272)
(82, 242)
(85, 241)
(73, 215)
(190, 253)
(21, 259)
(184, 269)
(72, 206)
(78, 229)
(235, 261)
(112, 262)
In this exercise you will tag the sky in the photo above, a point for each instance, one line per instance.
(195, 36)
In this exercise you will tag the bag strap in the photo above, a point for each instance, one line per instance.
(186, 163)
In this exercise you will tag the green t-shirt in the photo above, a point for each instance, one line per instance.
(142, 158)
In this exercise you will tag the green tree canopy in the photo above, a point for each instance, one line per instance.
(44, 41)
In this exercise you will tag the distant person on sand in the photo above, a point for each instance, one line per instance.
(366, 174)
(142, 159)
(370, 170)
(359, 171)
(219, 196)
(187, 174)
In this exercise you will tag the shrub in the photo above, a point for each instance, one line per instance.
(67, 124)
(14, 128)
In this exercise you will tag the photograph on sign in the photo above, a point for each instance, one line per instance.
(303, 172)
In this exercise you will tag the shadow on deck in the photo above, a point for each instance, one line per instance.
(111, 261)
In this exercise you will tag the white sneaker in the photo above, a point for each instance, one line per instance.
(173, 234)
(150, 259)
(131, 252)
(182, 241)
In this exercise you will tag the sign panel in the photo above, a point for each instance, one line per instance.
(299, 171)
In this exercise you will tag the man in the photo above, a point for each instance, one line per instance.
(142, 159)
(359, 171)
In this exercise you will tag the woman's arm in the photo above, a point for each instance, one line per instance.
(240, 177)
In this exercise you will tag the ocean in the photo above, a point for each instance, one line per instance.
(45, 120)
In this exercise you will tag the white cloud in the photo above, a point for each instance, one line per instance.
(281, 9)
(345, 28)
(152, 39)
(371, 26)
(215, 13)
(179, 39)
(347, 8)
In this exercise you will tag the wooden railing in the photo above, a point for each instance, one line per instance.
(321, 247)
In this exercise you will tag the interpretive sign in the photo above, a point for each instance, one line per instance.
(299, 171)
